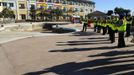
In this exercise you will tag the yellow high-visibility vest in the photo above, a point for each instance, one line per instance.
(123, 26)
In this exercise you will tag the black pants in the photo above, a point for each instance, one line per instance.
(112, 36)
(104, 30)
(108, 28)
(99, 29)
(95, 28)
(121, 41)
(84, 28)
(128, 30)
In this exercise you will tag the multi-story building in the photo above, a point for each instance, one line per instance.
(8, 4)
(71, 7)
(21, 8)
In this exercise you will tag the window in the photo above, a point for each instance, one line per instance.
(76, 9)
(50, 7)
(21, 6)
(4, 4)
(49, 1)
(0, 3)
(57, 1)
(64, 9)
(81, 10)
(23, 16)
(64, 2)
(11, 5)
(91, 10)
(41, 0)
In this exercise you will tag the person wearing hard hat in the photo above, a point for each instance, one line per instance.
(121, 30)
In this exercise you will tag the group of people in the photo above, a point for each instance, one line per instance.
(112, 25)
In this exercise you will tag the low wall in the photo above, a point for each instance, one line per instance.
(22, 27)
(28, 26)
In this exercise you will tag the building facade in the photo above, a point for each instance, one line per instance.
(70, 7)
(30, 3)
(21, 8)
(8, 4)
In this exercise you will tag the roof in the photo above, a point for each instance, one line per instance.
(97, 14)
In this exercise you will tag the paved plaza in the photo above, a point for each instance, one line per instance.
(77, 53)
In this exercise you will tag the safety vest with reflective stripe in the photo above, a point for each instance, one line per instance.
(123, 26)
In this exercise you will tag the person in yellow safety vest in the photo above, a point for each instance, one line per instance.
(121, 30)
(109, 28)
(116, 19)
(129, 23)
(84, 26)
(99, 26)
(113, 29)
(104, 25)
(95, 25)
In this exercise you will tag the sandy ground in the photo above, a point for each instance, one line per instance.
(73, 54)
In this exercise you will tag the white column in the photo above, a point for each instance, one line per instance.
(17, 10)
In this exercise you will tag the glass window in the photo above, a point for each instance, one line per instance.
(23, 16)
(41, 0)
(0, 3)
(91, 10)
(49, 0)
(21, 6)
(11, 5)
(4, 4)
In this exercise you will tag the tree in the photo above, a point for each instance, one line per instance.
(88, 16)
(0, 15)
(122, 10)
(41, 13)
(33, 12)
(127, 11)
(110, 12)
(57, 12)
(118, 10)
(8, 13)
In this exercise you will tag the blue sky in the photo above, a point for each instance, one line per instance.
(104, 5)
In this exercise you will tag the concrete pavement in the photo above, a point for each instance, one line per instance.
(78, 53)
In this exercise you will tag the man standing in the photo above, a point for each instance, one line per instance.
(84, 26)
(95, 25)
(129, 23)
(121, 29)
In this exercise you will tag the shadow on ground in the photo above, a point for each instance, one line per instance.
(84, 49)
(84, 33)
(91, 42)
(103, 66)
(110, 62)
